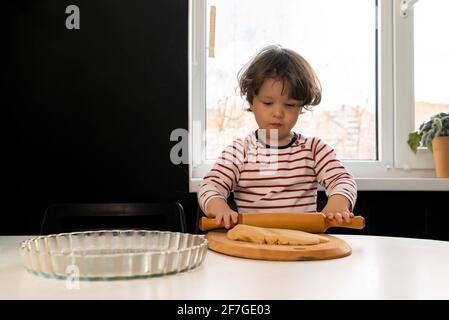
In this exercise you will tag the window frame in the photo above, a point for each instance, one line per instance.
(397, 167)
(404, 93)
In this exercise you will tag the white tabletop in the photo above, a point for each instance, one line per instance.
(378, 268)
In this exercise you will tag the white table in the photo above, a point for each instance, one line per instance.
(379, 268)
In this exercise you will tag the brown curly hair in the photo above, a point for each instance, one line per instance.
(286, 65)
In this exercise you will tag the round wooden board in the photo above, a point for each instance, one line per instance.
(335, 248)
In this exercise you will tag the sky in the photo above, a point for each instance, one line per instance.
(431, 51)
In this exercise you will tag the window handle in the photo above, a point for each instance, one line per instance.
(213, 12)
(406, 6)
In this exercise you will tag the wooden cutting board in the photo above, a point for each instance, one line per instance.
(335, 248)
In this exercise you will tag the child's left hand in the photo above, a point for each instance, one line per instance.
(337, 208)
(339, 216)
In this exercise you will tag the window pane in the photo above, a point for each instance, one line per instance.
(338, 40)
(431, 59)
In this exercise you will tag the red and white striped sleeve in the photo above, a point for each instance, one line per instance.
(223, 177)
(331, 174)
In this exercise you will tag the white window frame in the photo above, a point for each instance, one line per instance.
(404, 91)
(397, 168)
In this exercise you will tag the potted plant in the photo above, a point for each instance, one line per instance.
(434, 134)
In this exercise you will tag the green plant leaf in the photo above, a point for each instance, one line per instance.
(445, 121)
(426, 139)
(437, 125)
(425, 126)
(413, 140)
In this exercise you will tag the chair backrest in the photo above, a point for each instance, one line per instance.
(167, 216)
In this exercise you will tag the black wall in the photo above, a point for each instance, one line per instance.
(90, 111)
(87, 116)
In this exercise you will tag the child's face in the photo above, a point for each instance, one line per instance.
(274, 110)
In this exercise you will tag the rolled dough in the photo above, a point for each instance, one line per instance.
(273, 236)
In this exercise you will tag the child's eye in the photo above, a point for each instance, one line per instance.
(267, 103)
(291, 105)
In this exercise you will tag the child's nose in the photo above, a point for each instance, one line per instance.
(278, 111)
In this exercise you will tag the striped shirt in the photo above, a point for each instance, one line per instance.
(276, 179)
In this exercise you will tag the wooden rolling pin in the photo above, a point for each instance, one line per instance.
(308, 222)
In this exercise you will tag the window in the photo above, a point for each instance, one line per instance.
(431, 62)
(419, 65)
(367, 108)
(342, 56)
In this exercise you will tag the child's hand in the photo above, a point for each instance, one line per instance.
(337, 208)
(340, 216)
(227, 216)
(217, 208)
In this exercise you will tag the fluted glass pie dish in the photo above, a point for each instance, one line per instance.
(113, 254)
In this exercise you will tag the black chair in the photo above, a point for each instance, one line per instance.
(62, 218)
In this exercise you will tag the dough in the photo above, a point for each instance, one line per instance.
(273, 236)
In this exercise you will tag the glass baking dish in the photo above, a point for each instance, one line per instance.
(113, 254)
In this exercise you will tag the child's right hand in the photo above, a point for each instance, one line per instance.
(218, 209)
(227, 217)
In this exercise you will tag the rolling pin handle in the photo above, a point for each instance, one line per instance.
(206, 224)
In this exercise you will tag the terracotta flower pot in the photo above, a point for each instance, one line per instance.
(440, 146)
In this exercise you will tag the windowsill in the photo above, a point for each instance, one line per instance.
(382, 184)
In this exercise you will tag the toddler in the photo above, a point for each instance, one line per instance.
(274, 169)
